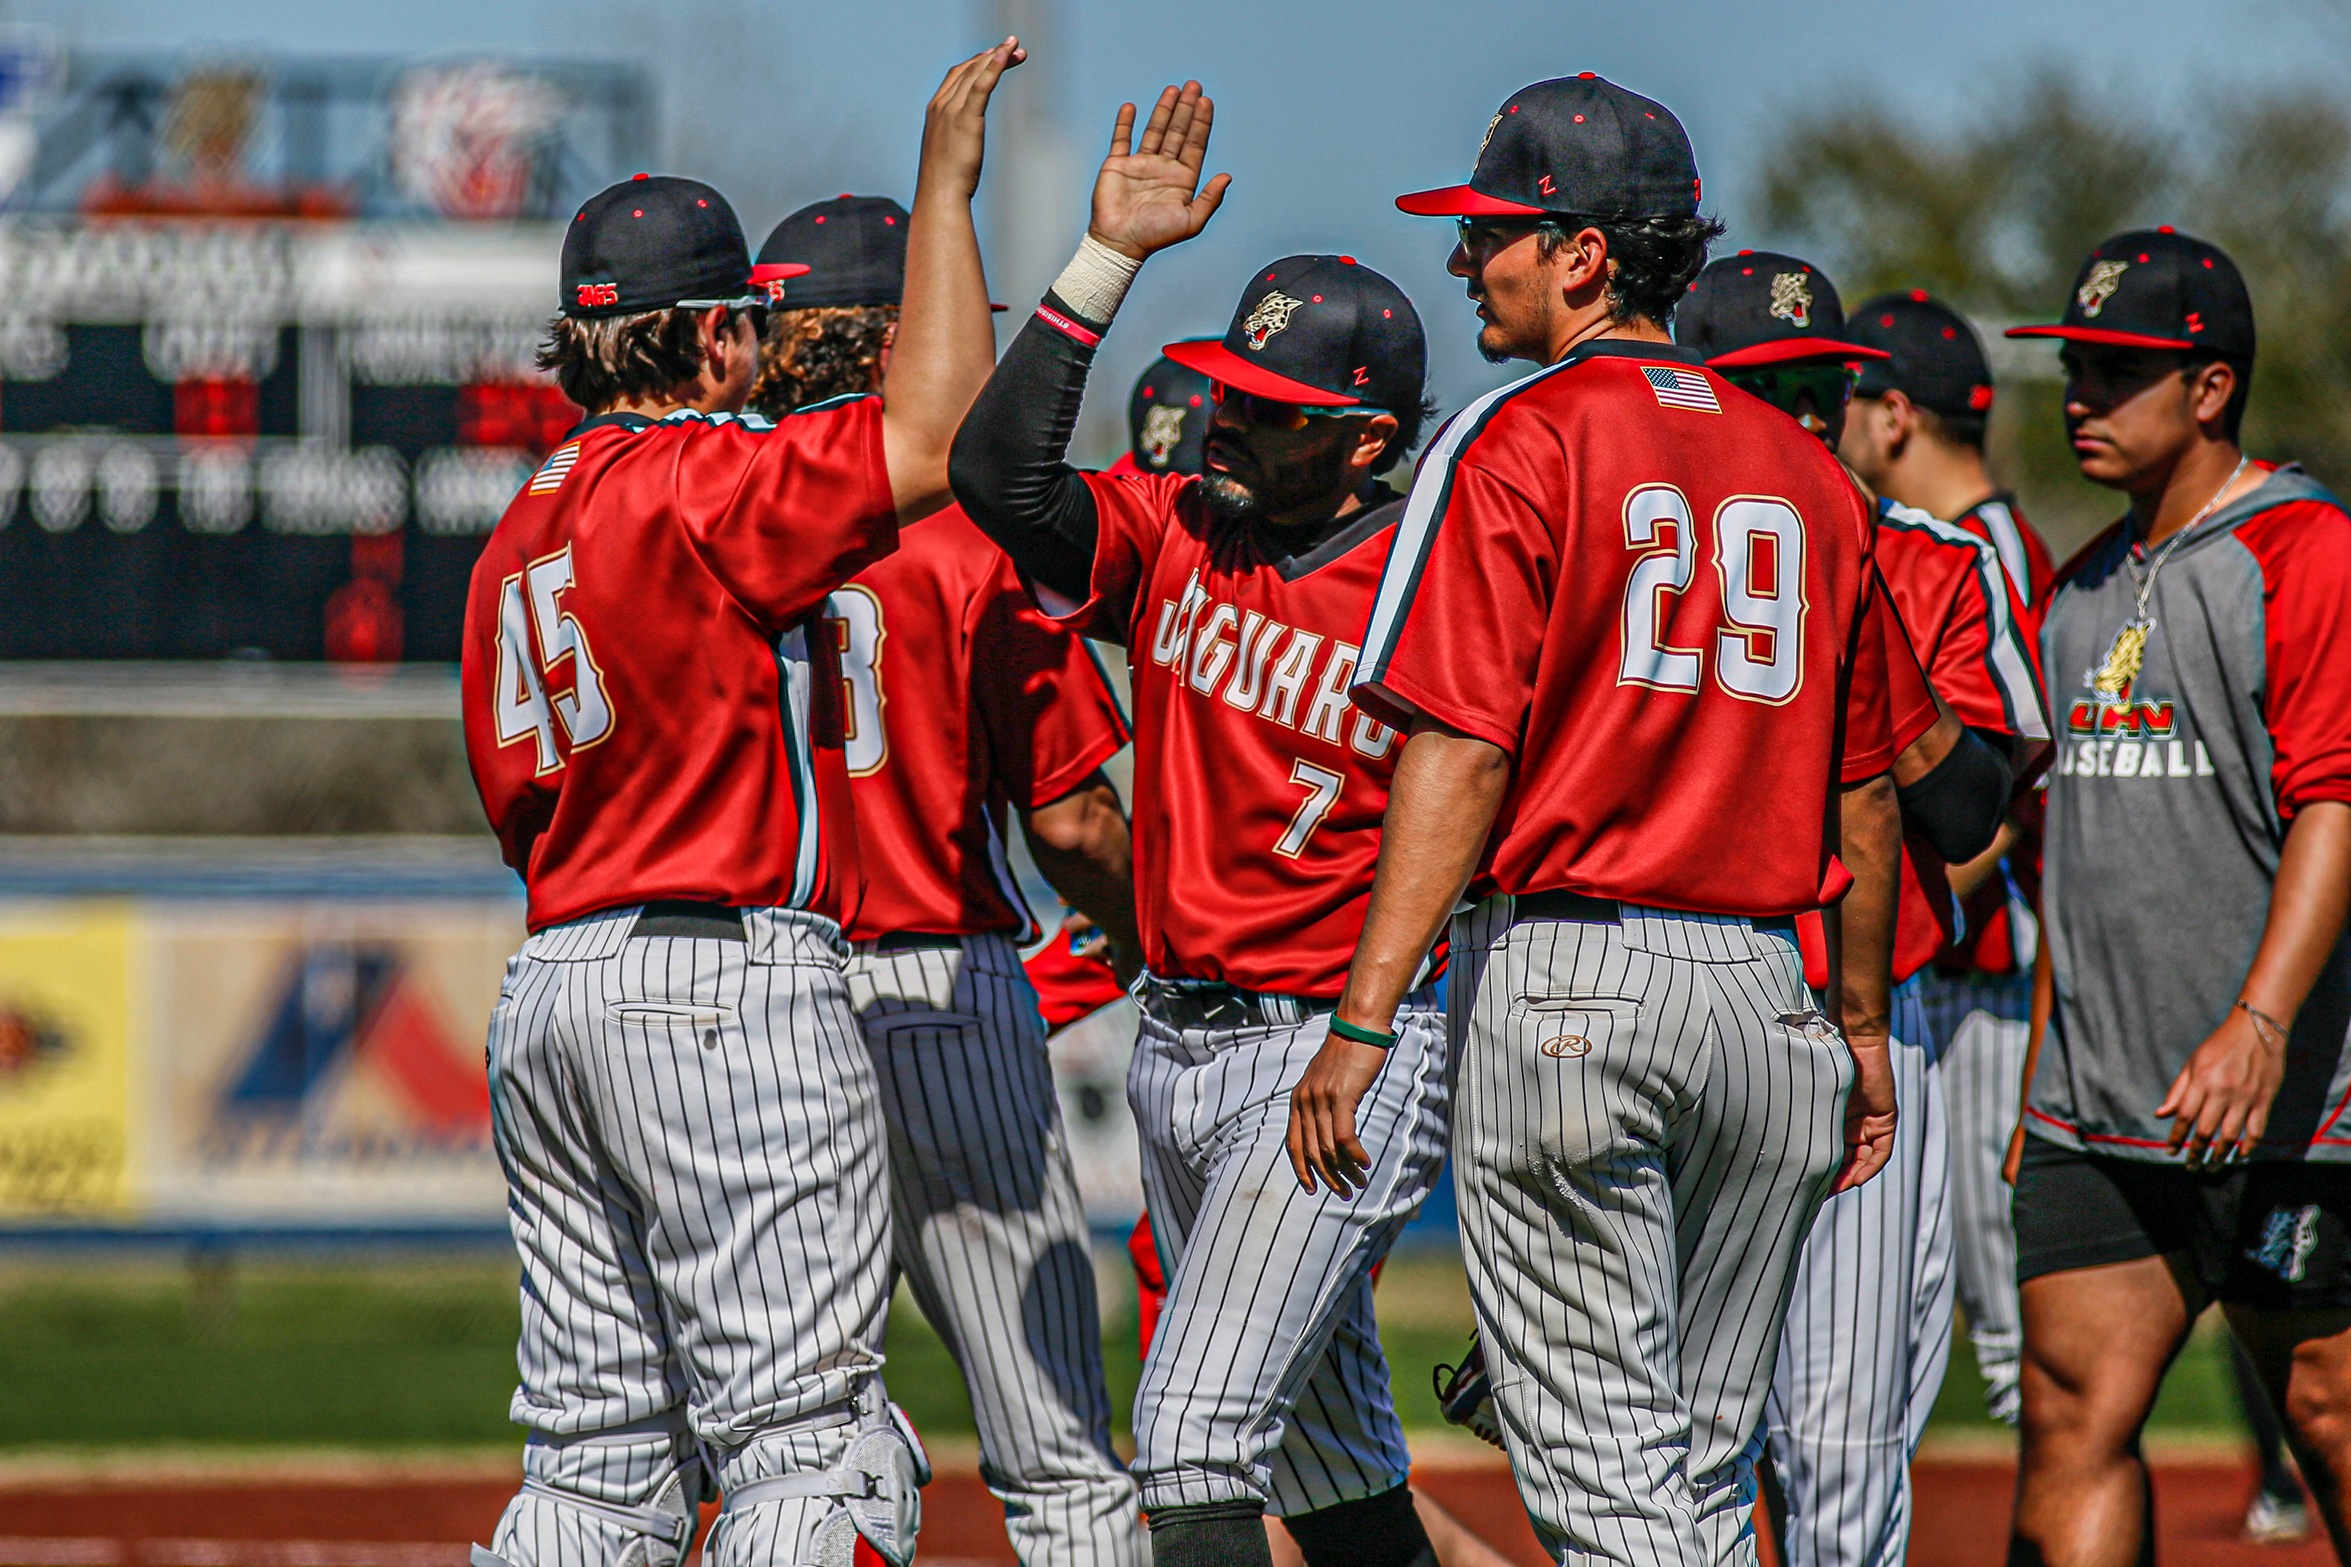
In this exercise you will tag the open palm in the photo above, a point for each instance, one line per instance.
(1148, 195)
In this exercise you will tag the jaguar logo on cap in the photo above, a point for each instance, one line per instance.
(1163, 431)
(1791, 298)
(1271, 315)
(2105, 277)
(1491, 126)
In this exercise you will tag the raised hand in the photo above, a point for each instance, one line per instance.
(955, 128)
(1148, 195)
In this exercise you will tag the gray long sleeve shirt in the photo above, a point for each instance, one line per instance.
(2169, 805)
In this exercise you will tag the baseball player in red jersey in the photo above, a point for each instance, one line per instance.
(966, 705)
(1869, 1325)
(684, 1108)
(1915, 434)
(1238, 595)
(1668, 736)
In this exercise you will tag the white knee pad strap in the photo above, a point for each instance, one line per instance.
(663, 1521)
(877, 1486)
(658, 1534)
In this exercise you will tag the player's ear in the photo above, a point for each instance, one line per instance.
(1372, 436)
(2210, 386)
(1900, 416)
(1581, 265)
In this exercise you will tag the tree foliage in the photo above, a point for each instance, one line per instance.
(1996, 213)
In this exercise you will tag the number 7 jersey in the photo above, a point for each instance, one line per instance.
(1258, 789)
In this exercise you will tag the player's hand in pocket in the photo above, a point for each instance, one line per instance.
(1869, 1111)
(1322, 1116)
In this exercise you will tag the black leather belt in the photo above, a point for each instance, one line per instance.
(694, 921)
(915, 941)
(1607, 911)
(1191, 1004)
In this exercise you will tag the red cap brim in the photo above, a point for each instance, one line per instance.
(2102, 336)
(1459, 201)
(1219, 363)
(1794, 350)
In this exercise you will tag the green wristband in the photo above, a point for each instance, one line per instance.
(1363, 1036)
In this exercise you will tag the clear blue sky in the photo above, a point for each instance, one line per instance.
(1326, 110)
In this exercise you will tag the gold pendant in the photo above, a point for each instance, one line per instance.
(2113, 682)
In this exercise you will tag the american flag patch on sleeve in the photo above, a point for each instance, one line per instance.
(1681, 389)
(550, 476)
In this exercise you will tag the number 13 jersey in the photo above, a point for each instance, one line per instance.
(1258, 789)
(1656, 593)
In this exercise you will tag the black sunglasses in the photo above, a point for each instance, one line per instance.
(1254, 409)
(1785, 388)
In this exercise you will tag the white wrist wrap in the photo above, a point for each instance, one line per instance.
(1095, 280)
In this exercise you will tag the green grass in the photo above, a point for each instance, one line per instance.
(397, 1354)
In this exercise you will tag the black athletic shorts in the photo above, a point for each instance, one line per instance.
(2270, 1235)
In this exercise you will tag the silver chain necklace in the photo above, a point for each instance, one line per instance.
(2113, 681)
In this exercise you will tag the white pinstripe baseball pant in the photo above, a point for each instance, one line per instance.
(1869, 1332)
(1647, 1115)
(694, 1160)
(1265, 1378)
(1986, 1023)
(992, 1238)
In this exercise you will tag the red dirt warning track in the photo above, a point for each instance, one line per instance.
(424, 1517)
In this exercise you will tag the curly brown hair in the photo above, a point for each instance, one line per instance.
(817, 352)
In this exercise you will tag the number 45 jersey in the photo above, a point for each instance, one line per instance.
(1258, 789)
(1657, 594)
(651, 709)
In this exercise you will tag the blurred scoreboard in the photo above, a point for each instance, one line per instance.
(261, 438)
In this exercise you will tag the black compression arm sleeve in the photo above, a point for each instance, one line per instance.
(1007, 469)
(1959, 806)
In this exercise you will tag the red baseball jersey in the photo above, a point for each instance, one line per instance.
(1655, 593)
(1258, 790)
(651, 709)
(1966, 624)
(961, 700)
(1988, 941)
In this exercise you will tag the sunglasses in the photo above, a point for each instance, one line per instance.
(1829, 386)
(1488, 234)
(1253, 409)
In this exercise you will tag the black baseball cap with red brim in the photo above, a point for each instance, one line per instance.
(1935, 358)
(2156, 288)
(1575, 145)
(655, 242)
(1322, 332)
(852, 250)
(1760, 309)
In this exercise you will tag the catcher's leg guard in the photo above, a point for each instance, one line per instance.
(862, 1480)
(611, 1499)
(1465, 1394)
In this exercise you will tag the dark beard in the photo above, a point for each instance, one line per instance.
(1228, 498)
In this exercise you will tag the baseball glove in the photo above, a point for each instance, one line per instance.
(1466, 1394)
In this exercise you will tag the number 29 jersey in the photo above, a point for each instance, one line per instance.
(1258, 789)
(1656, 594)
(651, 709)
